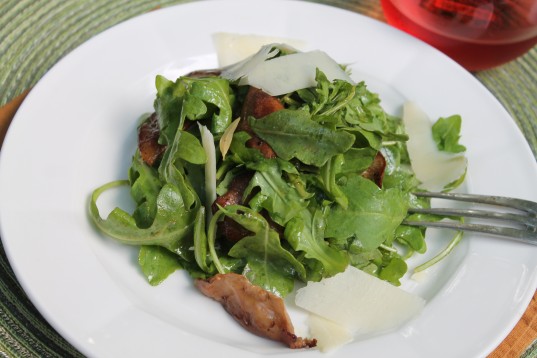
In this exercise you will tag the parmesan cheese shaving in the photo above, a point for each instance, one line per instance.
(207, 140)
(361, 303)
(243, 68)
(435, 169)
(232, 48)
(289, 73)
(329, 335)
(284, 74)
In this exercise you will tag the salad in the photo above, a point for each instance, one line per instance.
(276, 169)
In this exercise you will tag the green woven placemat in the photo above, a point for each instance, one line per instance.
(515, 86)
(34, 35)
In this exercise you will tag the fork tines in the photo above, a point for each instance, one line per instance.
(519, 224)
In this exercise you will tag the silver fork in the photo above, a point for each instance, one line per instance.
(520, 224)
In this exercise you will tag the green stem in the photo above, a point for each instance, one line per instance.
(211, 237)
(94, 210)
(341, 104)
(200, 240)
(442, 253)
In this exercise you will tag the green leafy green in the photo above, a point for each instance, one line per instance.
(446, 134)
(201, 244)
(209, 98)
(275, 195)
(306, 215)
(157, 263)
(171, 229)
(269, 265)
(372, 216)
(306, 233)
(292, 134)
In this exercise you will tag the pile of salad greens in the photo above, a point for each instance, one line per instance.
(332, 216)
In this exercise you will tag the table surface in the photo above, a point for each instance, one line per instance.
(34, 35)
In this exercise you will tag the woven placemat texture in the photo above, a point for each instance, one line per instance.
(36, 34)
(515, 86)
(525, 331)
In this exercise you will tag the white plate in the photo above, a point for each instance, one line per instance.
(76, 131)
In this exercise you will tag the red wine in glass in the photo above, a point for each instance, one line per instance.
(478, 34)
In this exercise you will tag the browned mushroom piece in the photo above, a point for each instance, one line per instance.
(375, 172)
(254, 308)
(204, 73)
(263, 147)
(229, 228)
(258, 104)
(148, 134)
(236, 188)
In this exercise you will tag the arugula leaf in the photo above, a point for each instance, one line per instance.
(306, 233)
(269, 265)
(168, 104)
(395, 268)
(176, 158)
(241, 154)
(171, 228)
(145, 186)
(365, 110)
(189, 148)
(208, 98)
(356, 160)
(327, 178)
(157, 263)
(201, 244)
(412, 236)
(446, 134)
(328, 97)
(292, 134)
(372, 216)
(281, 200)
(348, 106)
